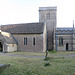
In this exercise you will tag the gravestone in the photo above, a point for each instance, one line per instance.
(3, 67)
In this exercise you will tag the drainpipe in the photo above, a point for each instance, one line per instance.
(56, 42)
(17, 41)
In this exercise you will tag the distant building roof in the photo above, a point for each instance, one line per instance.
(24, 28)
(64, 30)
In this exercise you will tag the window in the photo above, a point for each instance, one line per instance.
(25, 41)
(33, 41)
(48, 16)
(60, 41)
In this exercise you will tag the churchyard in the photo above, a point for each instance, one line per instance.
(29, 63)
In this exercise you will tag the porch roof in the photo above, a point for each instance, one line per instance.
(7, 37)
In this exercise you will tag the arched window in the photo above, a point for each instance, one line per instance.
(60, 41)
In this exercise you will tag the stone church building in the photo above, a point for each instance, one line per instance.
(37, 37)
(64, 39)
(23, 37)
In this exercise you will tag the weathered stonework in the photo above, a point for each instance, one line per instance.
(40, 44)
(66, 39)
(68, 42)
(50, 21)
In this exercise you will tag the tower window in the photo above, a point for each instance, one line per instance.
(48, 16)
(60, 41)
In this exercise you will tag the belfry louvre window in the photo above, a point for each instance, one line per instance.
(60, 41)
(48, 16)
(25, 41)
(33, 41)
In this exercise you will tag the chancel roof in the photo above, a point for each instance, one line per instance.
(24, 28)
(64, 30)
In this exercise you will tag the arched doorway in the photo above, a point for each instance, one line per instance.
(1, 47)
(66, 46)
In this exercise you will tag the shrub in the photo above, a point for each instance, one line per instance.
(52, 51)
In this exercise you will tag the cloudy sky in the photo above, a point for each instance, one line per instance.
(26, 11)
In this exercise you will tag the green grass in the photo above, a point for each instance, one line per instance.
(27, 53)
(36, 66)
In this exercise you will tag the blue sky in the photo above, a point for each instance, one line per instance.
(26, 11)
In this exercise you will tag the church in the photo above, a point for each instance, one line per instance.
(29, 37)
(37, 37)
(64, 39)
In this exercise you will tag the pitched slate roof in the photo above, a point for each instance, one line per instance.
(7, 37)
(24, 28)
(64, 31)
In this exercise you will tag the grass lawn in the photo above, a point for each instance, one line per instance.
(37, 66)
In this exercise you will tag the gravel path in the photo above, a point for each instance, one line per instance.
(71, 55)
(22, 55)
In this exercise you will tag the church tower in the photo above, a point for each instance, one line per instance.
(49, 16)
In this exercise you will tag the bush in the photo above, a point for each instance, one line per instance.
(52, 51)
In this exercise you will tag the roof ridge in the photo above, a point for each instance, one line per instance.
(22, 23)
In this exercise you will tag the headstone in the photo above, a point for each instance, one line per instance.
(3, 67)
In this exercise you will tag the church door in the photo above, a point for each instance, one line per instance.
(67, 47)
(1, 47)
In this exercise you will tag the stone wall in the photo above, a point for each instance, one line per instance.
(49, 16)
(66, 39)
(11, 47)
(38, 47)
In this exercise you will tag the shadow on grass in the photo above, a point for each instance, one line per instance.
(52, 58)
(49, 60)
(47, 63)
